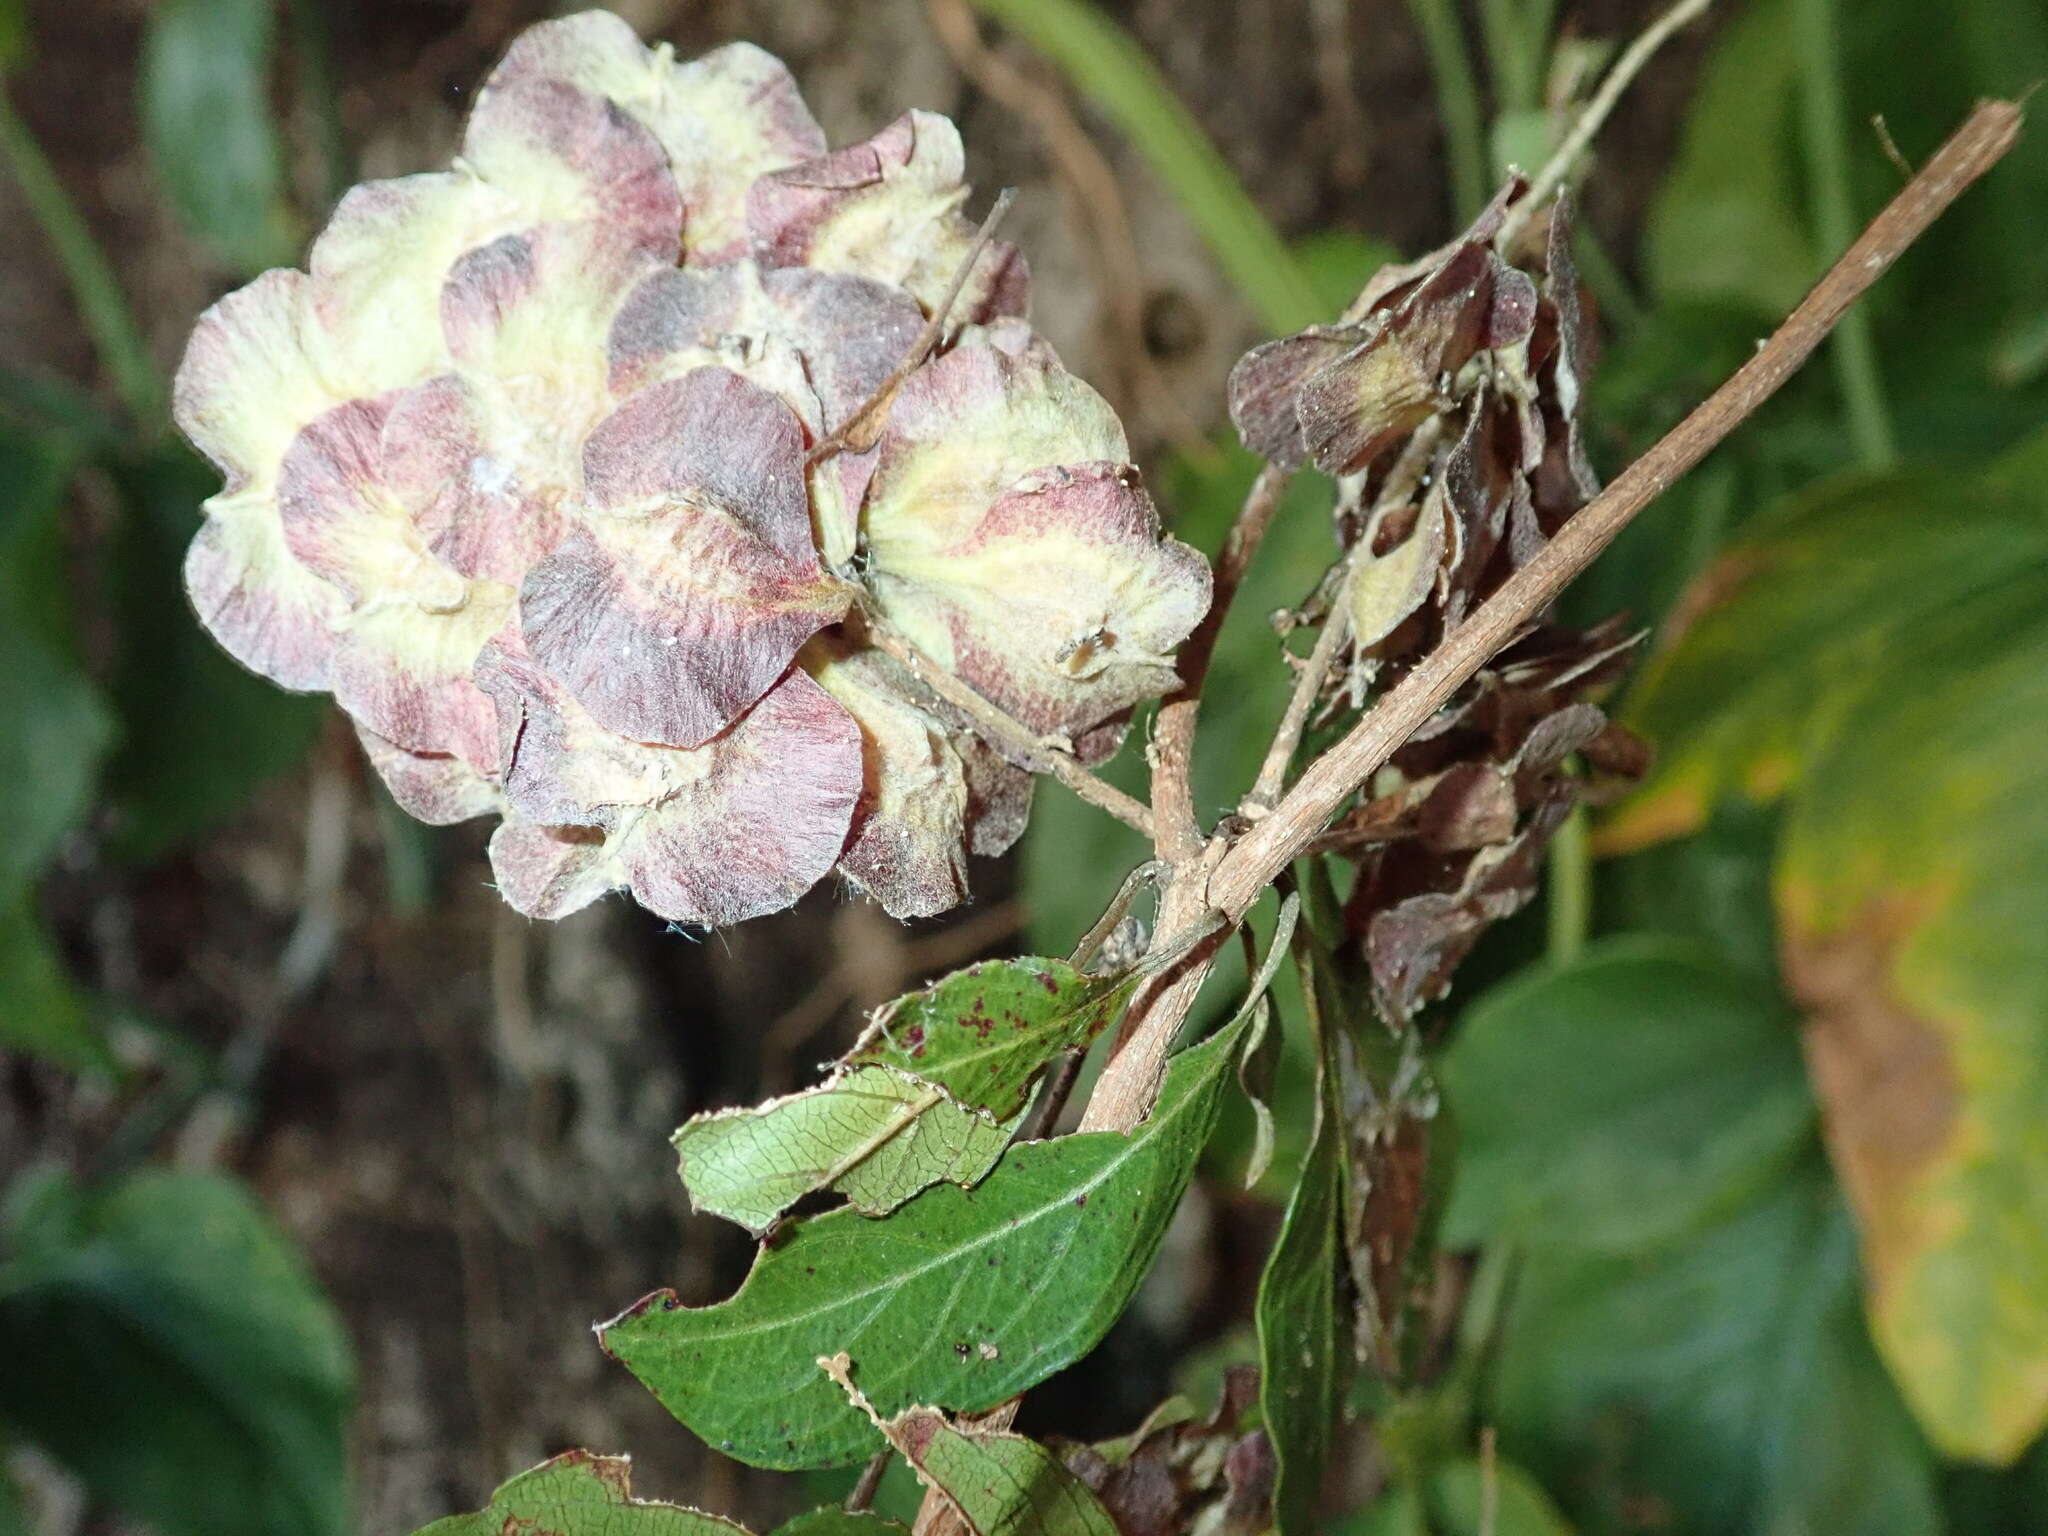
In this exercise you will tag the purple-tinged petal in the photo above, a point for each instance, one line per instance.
(556, 147)
(402, 658)
(766, 824)
(973, 421)
(1064, 605)
(712, 834)
(889, 210)
(405, 673)
(723, 119)
(695, 580)
(342, 522)
(998, 798)
(847, 333)
(532, 310)
(432, 786)
(1007, 539)
(821, 342)
(909, 830)
(251, 377)
(488, 512)
(269, 612)
(550, 872)
(536, 154)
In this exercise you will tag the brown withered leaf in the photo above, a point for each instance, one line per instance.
(1265, 383)
(1414, 943)
(1355, 408)
(1884, 1075)
(1180, 1472)
(1386, 1199)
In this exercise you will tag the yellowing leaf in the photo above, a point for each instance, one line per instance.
(1877, 655)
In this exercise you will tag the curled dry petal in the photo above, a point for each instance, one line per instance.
(889, 210)
(1009, 540)
(711, 835)
(723, 120)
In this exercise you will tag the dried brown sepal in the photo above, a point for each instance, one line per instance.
(1181, 1472)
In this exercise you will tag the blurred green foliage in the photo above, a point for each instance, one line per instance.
(163, 1341)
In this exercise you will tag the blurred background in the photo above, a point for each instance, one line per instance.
(319, 1162)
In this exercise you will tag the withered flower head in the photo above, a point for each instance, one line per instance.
(525, 471)
(1448, 400)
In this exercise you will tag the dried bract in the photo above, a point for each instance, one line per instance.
(1450, 401)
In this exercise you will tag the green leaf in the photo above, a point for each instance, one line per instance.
(1725, 1380)
(1725, 224)
(169, 1347)
(961, 1298)
(1713, 888)
(1006, 1485)
(206, 120)
(200, 734)
(57, 726)
(998, 1483)
(1622, 1099)
(1303, 1326)
(985, 1034)
(41, 1012)
(1460, 1503)
(874, 1134)
(834, 1521)
(582, 1494)
(1876, 656)
(930, 1092)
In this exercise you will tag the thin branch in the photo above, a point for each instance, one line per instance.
(1006, 733)
(1400, 485)
(1307, 808)
(1173, 738)
(871, 1476)
(1052, 1103)
(1124, 1093)
(1308, 687)
(1119, 907)
(1617, 80)
(859, 431)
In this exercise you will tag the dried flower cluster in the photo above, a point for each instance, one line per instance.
(1448, 406)
(534, 470)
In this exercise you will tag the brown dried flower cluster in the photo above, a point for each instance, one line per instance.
(1447, 403)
